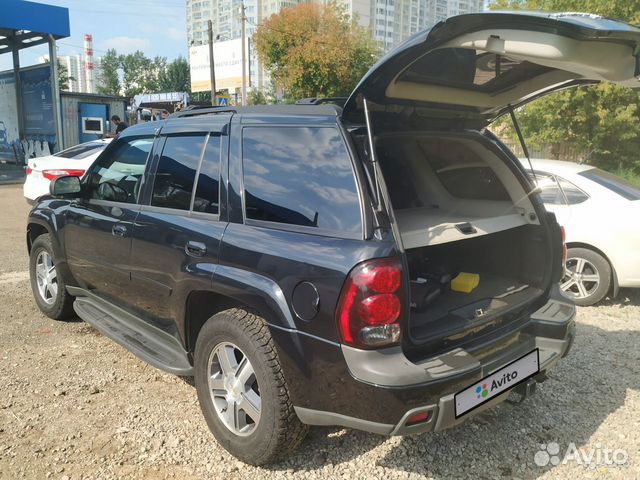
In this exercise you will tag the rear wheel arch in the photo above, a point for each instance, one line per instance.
(614, 276)
(202, 305)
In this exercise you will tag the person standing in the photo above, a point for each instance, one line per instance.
(120, 126)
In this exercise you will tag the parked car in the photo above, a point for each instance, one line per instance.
(595, 207)
(72, 161)
(318, 265)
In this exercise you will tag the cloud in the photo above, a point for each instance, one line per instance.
(126, 44)
(177, 34)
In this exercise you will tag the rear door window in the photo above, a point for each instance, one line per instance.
(207, 194)
(300, 176)
(176, 171)
(573, 194)
(550, 191)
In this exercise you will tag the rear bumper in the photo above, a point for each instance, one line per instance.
(388, 378)
(35, 188)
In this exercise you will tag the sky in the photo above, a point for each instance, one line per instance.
(156, 27)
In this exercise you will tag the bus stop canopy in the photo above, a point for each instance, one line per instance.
(26, 24)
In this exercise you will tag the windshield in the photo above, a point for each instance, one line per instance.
(616, 184)
(81, 151)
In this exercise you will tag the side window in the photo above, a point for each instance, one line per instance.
(117, 175)
(300, 176)
(574, 194)
(549, 189)
(176, 172)
(208, 187)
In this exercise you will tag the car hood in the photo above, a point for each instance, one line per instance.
(479, 65)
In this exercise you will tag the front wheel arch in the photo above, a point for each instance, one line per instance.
(34, 230)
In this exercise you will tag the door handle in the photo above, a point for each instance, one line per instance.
(119, 230)
(195, 249)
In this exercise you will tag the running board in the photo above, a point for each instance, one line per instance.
(147, 342)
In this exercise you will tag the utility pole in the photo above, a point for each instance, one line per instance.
(243, 19)
(249, 64)
(212, 68)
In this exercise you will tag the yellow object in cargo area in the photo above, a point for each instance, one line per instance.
(465, 282)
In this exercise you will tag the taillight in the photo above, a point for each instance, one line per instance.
(29, 170)
(51, 174)
(564, 246)
(371, 304)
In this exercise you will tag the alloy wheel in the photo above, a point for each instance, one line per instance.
(581, 278)
(46, 278)
(234, 389)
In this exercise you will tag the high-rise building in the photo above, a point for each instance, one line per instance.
(389, 21)
(77, 69)
(412, 16)
(225, 17)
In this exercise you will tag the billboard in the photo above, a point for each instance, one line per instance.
(228, 65)
(8, 116)
(37, 108)
(37, 102)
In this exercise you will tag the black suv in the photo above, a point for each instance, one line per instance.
(385, 265)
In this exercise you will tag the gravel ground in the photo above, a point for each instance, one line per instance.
(75, 405)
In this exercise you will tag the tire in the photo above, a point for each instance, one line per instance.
(54, 301)
(243, 339)
(587, 277)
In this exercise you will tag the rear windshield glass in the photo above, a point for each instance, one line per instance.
(471, 69)
(616, 184)
(81, 151)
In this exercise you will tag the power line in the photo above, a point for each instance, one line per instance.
(79, 47)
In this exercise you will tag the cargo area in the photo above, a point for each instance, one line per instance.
(461, 209)
(509, 265)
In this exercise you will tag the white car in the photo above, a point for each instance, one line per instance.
(599, 212)
(72, 161)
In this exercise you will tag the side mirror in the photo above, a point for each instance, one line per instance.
(65, 186)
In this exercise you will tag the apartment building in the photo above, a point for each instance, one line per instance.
(76, 72)
(389, 21)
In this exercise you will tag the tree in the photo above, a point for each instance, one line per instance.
(109, 67)
(63, 75)
(137, 69)
(257, 97)
(157, 68)
(176, 76)
(625, 10)
(603, 121)
(315, 50)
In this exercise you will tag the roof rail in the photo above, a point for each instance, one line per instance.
(319, 101)
(193, 110)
